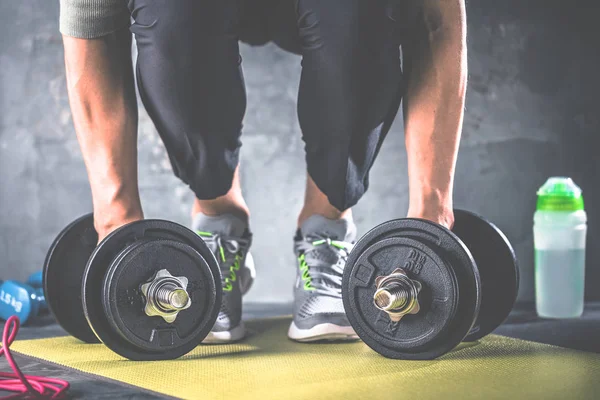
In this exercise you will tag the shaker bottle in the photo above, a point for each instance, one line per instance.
(559, 231)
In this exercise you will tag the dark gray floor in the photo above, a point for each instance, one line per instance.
(580, 334)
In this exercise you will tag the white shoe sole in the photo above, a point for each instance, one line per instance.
(322, 332)
(233, 335)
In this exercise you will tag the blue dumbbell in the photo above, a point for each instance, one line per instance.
(35, 280)
(22, 300)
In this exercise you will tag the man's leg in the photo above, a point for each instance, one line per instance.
(350, 92)
(190, 81)
(103, 103)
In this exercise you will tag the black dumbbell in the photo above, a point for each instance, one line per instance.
(22, 300)
(151, 290)
(414, 290)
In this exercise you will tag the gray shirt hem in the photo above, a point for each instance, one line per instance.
(90, 19)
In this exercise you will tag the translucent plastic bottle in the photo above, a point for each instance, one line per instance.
(559, 230)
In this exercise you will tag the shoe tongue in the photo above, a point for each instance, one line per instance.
(335, 229)
(225, 224)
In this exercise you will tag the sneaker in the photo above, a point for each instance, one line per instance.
(229, 238)
(322, 247)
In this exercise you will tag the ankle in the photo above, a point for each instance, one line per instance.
(329, 212)
(316, 202)
(214, 208)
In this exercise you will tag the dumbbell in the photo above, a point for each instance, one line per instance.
(414, 290)
(35, 280)
(22, 300)
(151, 290)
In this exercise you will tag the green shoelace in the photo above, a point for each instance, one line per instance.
(236, 250)
(305, 268)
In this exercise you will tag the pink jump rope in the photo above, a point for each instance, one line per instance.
(27, 386)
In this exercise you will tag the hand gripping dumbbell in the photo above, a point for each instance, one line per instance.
(414, 290)
(151, 290)
(22, 300)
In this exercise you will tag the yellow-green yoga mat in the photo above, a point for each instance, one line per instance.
(267, 365)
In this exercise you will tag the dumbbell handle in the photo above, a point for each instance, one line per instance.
(39, 296)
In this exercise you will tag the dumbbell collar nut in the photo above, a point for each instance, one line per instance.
(166, 295)
(397, 294)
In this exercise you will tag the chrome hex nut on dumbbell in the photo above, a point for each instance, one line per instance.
(397, 294)
(166, 295)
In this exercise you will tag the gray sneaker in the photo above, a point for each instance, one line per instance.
(322, 247)
(229, 238)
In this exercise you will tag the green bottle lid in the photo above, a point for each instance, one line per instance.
(559, 194)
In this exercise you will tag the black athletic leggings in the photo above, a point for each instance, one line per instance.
(191, 83)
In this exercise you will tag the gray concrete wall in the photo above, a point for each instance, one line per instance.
(532, 112)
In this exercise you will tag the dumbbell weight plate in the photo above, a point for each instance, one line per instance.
(123, 303)
(449, 299)
(112, 298)
(63, 273)
(498, 269)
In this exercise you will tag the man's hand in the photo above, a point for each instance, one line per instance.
(435, 62)
(435, 213)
